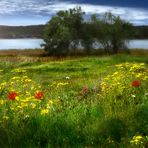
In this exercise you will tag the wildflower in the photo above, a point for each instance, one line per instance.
(1, 102)
(137, 140)
(12, 108)
(18, 70)
(33, 105)
(142, 64)
(136, 83)
(39, 95)
(62, 84)
(26, 116)
(44, 111)
(139, 75)
(116, 73)
(67, 78)
(15, 78)
(84, 91)
(12, 95)
(133, 96)
(139, 137)
(5, 117)
(20, 107)
(50, 102)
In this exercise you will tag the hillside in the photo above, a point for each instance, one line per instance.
(141, 32)
(36, 31)
(21, 31)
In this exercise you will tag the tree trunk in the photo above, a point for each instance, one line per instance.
(115, 46)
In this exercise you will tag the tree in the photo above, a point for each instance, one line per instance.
(67, 30)
(87, 37)
(112, 32)
(63, 31)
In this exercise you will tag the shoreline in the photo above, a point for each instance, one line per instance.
(40, 55)
(42, 51)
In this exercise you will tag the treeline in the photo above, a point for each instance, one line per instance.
(35, 31)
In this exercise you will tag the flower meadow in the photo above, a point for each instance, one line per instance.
(75, 106)
(21, 97)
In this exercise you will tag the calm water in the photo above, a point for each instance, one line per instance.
(141, 44)
(35, 43)
(20, 43)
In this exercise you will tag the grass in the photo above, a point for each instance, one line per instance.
(74, 102)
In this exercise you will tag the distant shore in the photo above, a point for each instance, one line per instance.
(37, 31)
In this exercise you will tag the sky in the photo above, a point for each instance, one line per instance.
(33, 12)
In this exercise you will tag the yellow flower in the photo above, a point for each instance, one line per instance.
(17, 98)
(62, 84)
(5, 117)
(142, 64)
(19, 106)
(19, 70)
(25, 77)
(139, 75)
(2, 102)
(28, 80)
(32, 87)
(24, 104)
(12, 108)
(139, 137)
(44, 111)
(137, 140)
(15, 78)
(50, 102)
(119, 65)
(3, 84)
(115, 73)
(33, 105)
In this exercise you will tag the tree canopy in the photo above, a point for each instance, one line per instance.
(67, 30)
(112, 32)
(63, 31)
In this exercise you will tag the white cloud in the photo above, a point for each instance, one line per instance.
(47, 8)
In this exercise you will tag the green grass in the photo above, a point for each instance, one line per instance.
(78, 117)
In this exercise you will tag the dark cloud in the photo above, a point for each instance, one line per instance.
(41, 10)
(122, 3)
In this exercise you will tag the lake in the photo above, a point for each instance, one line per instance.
(20, 43)
(139, 44)
(35, 43)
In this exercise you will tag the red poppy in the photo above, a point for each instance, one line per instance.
(84, 91)
(136, 83)
(12, 95)
(39, 95)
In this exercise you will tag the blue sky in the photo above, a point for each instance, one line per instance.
(32, 12)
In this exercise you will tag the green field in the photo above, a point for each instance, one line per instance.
(97, 101)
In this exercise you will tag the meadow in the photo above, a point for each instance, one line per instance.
(87, 101)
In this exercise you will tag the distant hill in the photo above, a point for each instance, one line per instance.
(36, 31)
(141, 32)
(22, 31)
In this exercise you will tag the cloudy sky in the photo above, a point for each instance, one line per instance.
(32, 12)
